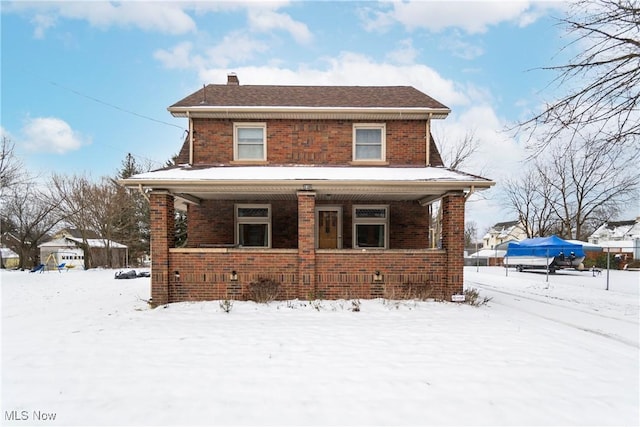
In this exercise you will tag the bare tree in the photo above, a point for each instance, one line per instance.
(470, 233)
(11, 169)
(456, 155)
(588, 179)
(602, 80)
(530, 196)
(74, 195)
(33, 213)
(571, 189)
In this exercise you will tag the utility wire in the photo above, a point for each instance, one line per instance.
(99, 101)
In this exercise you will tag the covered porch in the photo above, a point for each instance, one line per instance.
(331, 232)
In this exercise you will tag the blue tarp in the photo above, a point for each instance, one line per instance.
(550, 247)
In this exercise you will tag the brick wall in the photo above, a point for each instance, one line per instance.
(162, 238)
(205, 274)
(306, 238)
(212, 223)
(453, 240)
(328, 142)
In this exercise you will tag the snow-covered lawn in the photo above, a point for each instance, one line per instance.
(86, 349)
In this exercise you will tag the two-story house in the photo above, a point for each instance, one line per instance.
(326, 190)
(503, 232)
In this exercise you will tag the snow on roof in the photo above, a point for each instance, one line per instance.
(489, 253)
(93, 243)
(8, 253)
(293, 173)
(100, 243)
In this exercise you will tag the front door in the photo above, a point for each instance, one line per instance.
(329, 227)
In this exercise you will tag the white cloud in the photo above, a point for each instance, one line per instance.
(472, 17)
(178, 57)
(404, 54)
(51, 135)
(263, 20)
(350, 68)
(5, 133)
(235, 48)
(163, 17)
(232, 49)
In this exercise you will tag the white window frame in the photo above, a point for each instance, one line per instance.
(249, 125)
(370, 221)
(252, 220)
(382, 127)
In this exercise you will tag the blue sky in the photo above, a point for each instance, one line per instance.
(85, 83)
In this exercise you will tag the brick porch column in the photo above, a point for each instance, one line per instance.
(162, 238)
(453, 241)
(306, 243)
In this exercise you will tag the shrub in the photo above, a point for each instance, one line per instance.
(472, 297)
(263, 290)
(226, 305)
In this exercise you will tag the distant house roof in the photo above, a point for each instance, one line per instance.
(505, 224)
(503, 230)
(76, 233)
(617, 230)
(8, 253)
(72, 242)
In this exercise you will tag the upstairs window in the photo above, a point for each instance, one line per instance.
(250, 141)
(253, 226)
(369, 142)
(371, 227)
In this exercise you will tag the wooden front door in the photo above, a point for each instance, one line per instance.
(329, 227)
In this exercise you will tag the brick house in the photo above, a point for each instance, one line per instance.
(326, 190)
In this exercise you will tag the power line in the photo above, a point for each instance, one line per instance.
(99, 101)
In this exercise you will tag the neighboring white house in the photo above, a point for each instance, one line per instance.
(504, 232)
(619, 237)
(69, 250)
(10, 259)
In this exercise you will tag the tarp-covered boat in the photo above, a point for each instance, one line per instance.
(550, 252)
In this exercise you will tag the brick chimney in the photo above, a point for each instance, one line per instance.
(232, 79)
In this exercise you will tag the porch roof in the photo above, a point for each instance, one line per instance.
(193, 184)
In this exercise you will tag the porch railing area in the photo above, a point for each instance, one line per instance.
(225, 273)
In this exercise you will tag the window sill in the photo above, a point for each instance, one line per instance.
(249, 162)
(369, 163)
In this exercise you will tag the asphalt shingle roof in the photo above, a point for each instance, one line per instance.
(217, 95)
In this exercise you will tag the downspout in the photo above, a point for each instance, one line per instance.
(471, 191)
(190, 138)
(428, 138)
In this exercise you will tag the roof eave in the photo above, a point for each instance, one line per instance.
(319, 185)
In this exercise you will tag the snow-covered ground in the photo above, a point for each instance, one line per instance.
(86, 349)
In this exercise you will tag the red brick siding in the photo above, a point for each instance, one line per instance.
(206, 274)
(350, 274)
(327, 142)
(212, 223)
(453, 240)
(306, 238)
(162, 238)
